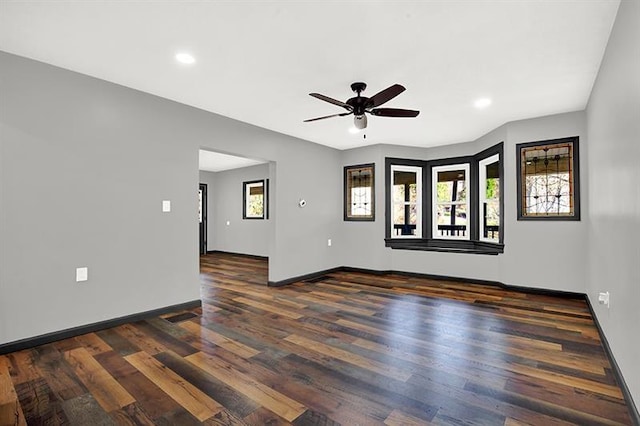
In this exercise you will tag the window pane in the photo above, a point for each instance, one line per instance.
(398, 193)
(398, 214)
(446, 211)
(492, 216)
(492, 189)
(360, 201)
(401, 182)
(400, 226)
(452, 220)
(489, 201)
(452, 186)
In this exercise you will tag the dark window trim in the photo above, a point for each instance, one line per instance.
(429, 193)
(265, 201)
(267, 188)
(371, 218)
(493, 150)
(427, 243)
(576, 179)
(388, 161)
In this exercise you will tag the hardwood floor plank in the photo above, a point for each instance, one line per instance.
(7, 390)
(262, 416)
(269, 308)
(10, 409)
(22, 367)
(218, 339)
(118, 342)
(188, 396)
(11, 414)
(151, 398)
(58, 373)
(280, 404)
(104, 388)
(398, 418)
(334, 305)
(39, 404)
(85, 410)
(225, 418)
(234, 402)
(360, 361)
(166, 339)
(140, 340)
(93, 343)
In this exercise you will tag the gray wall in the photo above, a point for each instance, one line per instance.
(614, 192)
(84, 166)
(245, 236)
(557, 246)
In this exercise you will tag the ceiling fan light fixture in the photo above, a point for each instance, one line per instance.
(360, 121)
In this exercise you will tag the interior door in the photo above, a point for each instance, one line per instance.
(203, 217)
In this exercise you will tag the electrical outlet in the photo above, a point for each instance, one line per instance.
(166, 206)
(82, 274)
(329, 242)
(604, 299)
(228, 222)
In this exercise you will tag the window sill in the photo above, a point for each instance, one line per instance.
(448, 246)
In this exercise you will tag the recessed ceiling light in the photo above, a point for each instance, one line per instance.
(185, 58)
(354, 130)
(482, 103)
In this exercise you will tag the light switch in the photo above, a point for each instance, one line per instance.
(166, 206)
(82, 274)
(228, 223)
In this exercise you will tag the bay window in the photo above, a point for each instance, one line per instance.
(452, 205)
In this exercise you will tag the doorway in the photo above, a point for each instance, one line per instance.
(203, 217)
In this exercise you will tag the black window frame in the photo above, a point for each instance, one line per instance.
(576, 179)
(346, 206)
(472, 245)
(265, 199)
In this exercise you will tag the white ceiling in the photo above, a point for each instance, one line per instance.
(257, 61)
(217, 162)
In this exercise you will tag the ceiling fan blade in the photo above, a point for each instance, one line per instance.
(384, 96)
(331, 100)
(327, 116)
(394, 112)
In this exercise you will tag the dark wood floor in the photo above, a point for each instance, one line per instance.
(351, 349)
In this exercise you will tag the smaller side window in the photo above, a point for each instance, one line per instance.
(406, 201)
(548, 180)
(359, 193)
(254, 200)
(450, 201)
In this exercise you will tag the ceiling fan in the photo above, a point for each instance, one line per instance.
(361, 105)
